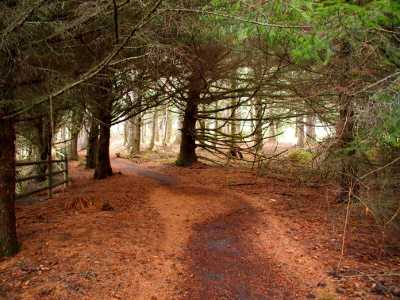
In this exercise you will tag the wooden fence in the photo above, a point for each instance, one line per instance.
(63, 163)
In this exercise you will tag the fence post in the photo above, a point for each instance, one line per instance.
(50, 181)
(66, 171)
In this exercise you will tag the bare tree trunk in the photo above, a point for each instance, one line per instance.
(128, 133)
(103, 165)
(300, 133)
(201, 127)
(73, 154)
(345, 136)
(154, 130)
(44, 137)
(216, 124)
(310, 129)
(137, 135)
(178, 137)
(8, 232)
(168, 126)
(85, 137)
(93, 142)
(234, 124)
(272, 126)
(258, 131)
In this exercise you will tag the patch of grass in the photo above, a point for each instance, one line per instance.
(326, 294)
(300, 157)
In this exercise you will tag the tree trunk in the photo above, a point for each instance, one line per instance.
(103, 165)
(93, 142)
(201, 128)
(8, 232)
(44, 137)
(73, 153)
(310, 130)
(168, 127)
(44, 143)
(187, 153)
(178, 137)
(129, 132)
(272, 126)
(234, 124)
(136, 133)
(216, 125)
(258, 132)
(300, 131)
(84, 138)
(154, 130)
(345, 135)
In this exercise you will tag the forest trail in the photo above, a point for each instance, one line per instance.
(222, 242)
(159, 232)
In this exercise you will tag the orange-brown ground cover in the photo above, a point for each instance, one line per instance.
(194, 233)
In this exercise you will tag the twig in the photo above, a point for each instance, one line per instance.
(346, 222)
(383, 289)
(373, 275)
(245, 183)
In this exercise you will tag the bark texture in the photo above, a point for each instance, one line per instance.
(187, 153)
(93, 142)
(8, 232)
(103, 165)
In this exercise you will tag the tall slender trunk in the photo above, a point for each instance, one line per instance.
(8, 232)
(44, 137)
(310, 129)
(154, 130)
(85, 136)
(216, 124)
(178, 137)
(234, 124)
(300, 132)
(272, 125)
(258, 131)
(345, 135)
(136, 134)
(73, 153)
(168, 127)
(103, 165)
(93, 142)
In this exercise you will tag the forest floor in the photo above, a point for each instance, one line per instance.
(157, 231)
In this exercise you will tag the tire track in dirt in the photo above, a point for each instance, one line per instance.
(220, 255)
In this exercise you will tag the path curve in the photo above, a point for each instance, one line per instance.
(221, 255)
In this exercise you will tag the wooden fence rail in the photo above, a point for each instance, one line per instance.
(50, 176)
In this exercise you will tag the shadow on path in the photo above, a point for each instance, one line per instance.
(226, 264)
(169, 181)
(223, 259)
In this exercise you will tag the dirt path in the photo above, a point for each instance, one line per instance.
(223, 243)
(171, 233)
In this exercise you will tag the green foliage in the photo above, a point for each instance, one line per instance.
(338, 21)
(300, 157)
(179, 163)
(379, 128)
